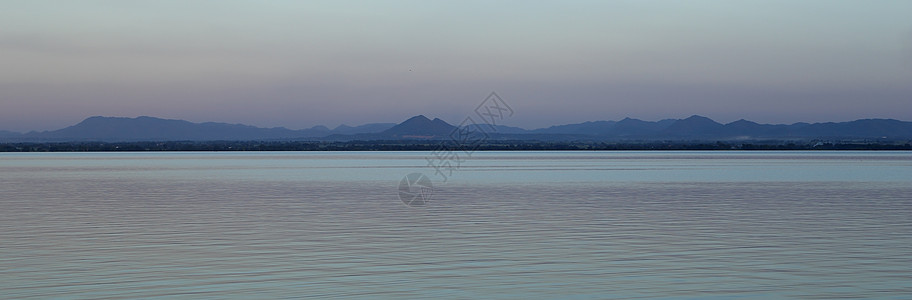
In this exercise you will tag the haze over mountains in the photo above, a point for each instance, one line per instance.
(116, 129)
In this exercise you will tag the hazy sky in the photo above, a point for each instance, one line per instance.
(302, 63)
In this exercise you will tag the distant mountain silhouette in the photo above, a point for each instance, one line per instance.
(502, 129)
(596, 127)
(9, 134)
(635, 128)
(866, 128)
(366, 128)
(420, 127)
(116, 129)
(155, 129)
(694, 126)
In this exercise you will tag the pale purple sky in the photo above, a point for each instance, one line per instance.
(303, 63)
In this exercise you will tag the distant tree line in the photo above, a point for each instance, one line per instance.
(423, 145)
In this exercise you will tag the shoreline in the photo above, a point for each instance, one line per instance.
(171, 146)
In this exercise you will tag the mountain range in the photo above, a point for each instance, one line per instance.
(117, 129)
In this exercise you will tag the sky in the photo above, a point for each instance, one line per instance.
(298, 64)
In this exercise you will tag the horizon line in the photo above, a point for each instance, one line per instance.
(450, 123)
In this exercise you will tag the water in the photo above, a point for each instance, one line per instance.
(575, 225)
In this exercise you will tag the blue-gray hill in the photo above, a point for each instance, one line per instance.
(693, 128)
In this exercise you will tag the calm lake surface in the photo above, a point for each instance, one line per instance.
(572, 225)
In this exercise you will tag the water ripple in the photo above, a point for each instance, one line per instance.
(157, 237)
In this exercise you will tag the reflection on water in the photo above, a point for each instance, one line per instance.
(219, 226)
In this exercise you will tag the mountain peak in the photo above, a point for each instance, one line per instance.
(631, 120)
(741, 122)
(418, 118)
(421, 127)
(694, 126)
(698, 118)
(95, 119)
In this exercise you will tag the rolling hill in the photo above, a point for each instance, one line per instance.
(693, 128)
